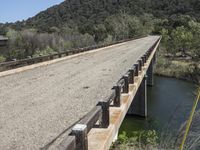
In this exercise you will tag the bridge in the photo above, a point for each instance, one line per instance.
(78, 101)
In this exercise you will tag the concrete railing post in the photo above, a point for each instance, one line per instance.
(140, 64)
(132, 73)
(150, 74)
(144, 96)
(126, 84)
(105, 118)
(144, 59)
(136, 69)
(117, 100)
(80, 132)
(148, 54)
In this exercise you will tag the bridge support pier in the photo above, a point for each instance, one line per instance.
(150, 80)
(116, 137)
(139, 103)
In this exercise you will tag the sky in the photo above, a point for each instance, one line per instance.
(14, 10)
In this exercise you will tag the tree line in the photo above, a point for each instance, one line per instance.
(81, 23)
(32, 43)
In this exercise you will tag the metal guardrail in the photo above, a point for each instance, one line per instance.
(28, 61)
(99, 116)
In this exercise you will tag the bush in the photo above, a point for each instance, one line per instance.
(2, 58)
(146, 139)
(123, 137)
(46, 51)
(108, 40)
(67, 45)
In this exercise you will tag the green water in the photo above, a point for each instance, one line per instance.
(169, 105)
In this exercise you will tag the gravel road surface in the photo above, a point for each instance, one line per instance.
(37, 105)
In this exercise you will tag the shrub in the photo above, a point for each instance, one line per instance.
(2, 58)
(46, 51)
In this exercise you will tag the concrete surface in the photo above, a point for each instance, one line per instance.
(102, 138)
(38, 104)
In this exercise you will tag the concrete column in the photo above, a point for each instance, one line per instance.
(116, 136)
(80, 132)
(150, 74)
(139, 104)
(155, 58)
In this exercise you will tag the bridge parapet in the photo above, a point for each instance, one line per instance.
(100, 116)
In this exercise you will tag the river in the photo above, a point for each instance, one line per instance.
(169, 105)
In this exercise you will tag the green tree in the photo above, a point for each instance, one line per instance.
(181, 39)
(54, 30)
(123, 26)
(147, 21)
(15, 44)
(195, 29)
(116, 26)
(100, 33)
(165, 39)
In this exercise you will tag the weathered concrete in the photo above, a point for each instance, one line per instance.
(139, 105)
(103, 138)
(150, 74)
(37, 104)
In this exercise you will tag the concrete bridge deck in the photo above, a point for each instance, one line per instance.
(37, 105)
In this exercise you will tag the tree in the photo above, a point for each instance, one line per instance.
(182, 39)
(100, 32)
(135, 27)
(177, 20)
(123, 26)
(15, 44)
(147, 23)
(165, 39)
(54, 30)
(195, 29)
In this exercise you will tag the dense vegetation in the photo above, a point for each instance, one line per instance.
(81, 23)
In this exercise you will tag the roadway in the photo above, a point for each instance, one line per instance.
(37, 105)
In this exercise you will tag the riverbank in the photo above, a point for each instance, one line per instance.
(169, 105)
(152, 140)
(183, 68)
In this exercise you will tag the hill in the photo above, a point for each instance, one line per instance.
(79, 23)
(88, 13)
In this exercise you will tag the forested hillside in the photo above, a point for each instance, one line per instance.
(79, 23)
(89, 13)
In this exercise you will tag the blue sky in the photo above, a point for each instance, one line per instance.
(13, 10)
